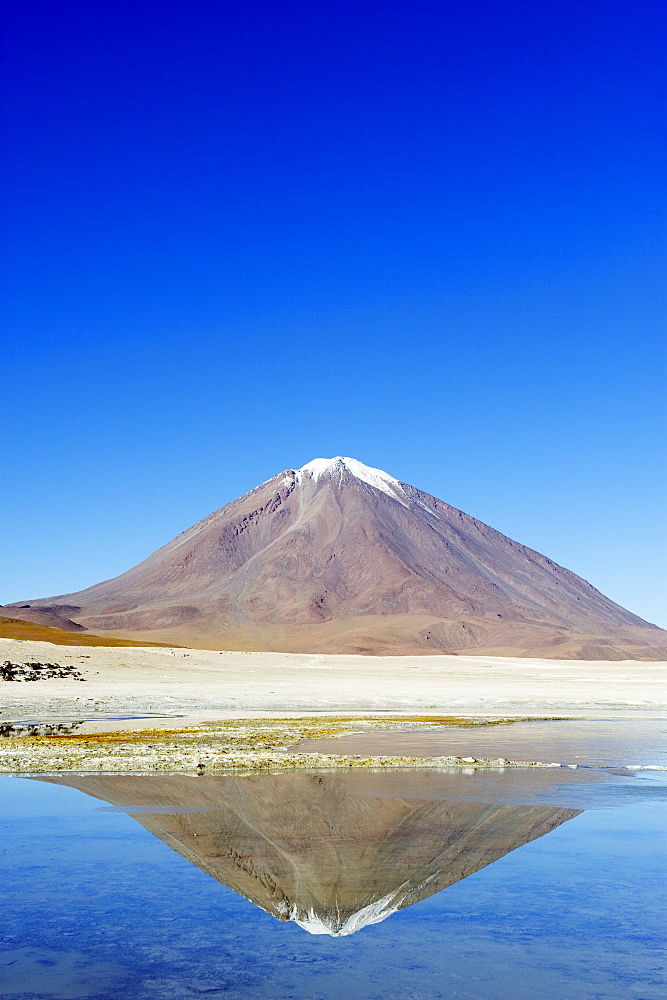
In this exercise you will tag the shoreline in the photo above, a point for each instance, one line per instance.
(244, 745)
(172, 709)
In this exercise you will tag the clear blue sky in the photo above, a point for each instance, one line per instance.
(240, 235)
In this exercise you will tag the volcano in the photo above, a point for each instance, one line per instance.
(337, 557)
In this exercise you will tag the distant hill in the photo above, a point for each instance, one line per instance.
(52, 617)
(337, 557)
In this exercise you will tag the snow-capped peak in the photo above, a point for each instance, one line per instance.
(331, 467)
(374, 913)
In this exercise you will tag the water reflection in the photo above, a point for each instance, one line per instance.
(324, 850)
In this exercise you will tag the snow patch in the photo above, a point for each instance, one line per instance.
(374, 913)
(332, 467)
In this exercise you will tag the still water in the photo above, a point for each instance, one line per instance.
(586, 742)
(354, 885)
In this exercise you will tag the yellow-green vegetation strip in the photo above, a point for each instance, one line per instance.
(24, 631)
(239, 745)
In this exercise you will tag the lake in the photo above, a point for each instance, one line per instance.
(473, 884)
(596, 742)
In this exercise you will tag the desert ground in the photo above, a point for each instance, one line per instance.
(174, 708)
(136, 680)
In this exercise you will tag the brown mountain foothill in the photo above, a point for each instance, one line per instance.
(51, 617)
(337, 557)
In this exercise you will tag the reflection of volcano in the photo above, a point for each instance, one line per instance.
(319, 849)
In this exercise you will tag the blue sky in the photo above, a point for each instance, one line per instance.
(429, 235)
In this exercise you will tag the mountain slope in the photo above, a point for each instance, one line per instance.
(338, 557)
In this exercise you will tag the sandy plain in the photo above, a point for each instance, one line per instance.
(149, 708)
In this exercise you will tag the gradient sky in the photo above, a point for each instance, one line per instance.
(240, 235)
